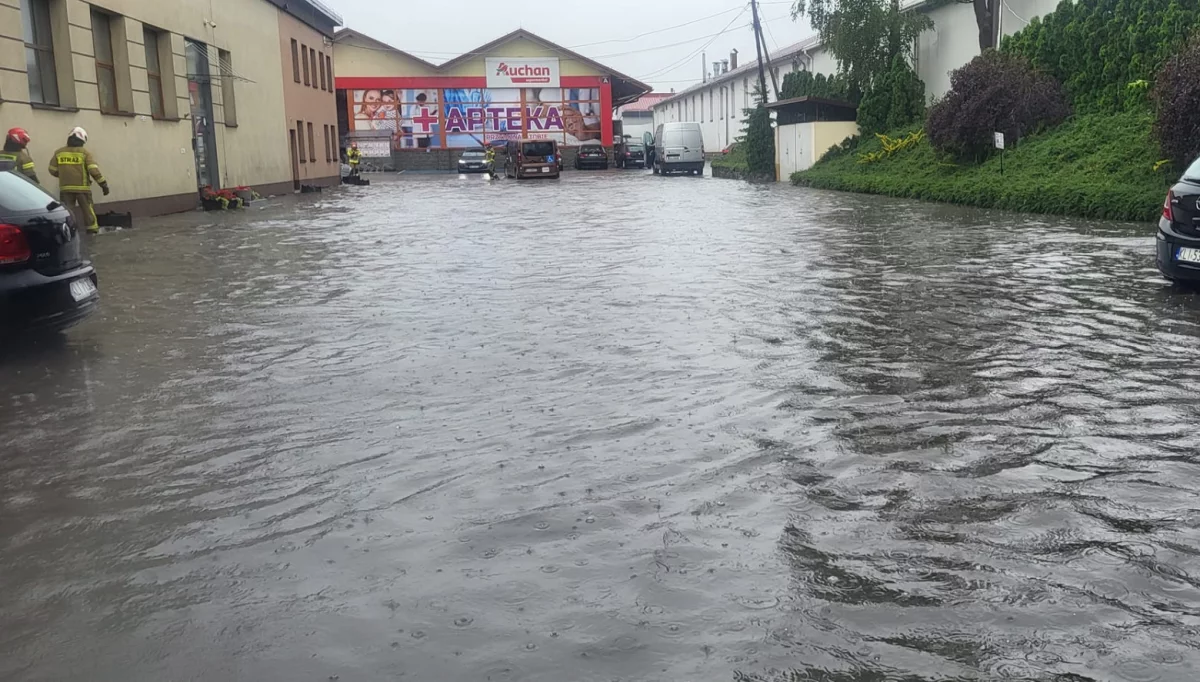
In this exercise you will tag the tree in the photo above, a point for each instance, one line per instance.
(985, 20)
(759, 138)
(864, 36)
(895, 100)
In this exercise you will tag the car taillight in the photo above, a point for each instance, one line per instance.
(1167, 212)
(14, 248)
(628, 153)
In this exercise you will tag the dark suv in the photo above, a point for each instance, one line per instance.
(45, 283)
(591, 155)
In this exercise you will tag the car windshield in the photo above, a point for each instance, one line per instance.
(19, 194)
(635, 147)
(1193, 172)
(473, 153)
(538, 149)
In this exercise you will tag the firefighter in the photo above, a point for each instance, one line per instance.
(353, 157)
(16, 151)
(490, 156)
(75, 168)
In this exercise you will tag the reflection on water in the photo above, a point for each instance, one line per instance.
(448, 429)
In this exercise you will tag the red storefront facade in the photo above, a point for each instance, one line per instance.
(511, 97)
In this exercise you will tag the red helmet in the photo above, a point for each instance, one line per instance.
(18, 136)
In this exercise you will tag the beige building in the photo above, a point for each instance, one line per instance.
(175, 95)
(309, 104)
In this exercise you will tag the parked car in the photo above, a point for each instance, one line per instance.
(678, 148)
(634, 155)
(1178, 243)
(472, 161)
(591, 154)
(45, 282)
(532, 159)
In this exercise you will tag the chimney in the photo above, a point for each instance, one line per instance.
(733, 59)
(724, 66)
(716, 69)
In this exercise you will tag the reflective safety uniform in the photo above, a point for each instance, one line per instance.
(490, 155)
(75, 168)
(21, 161)
(353, 157)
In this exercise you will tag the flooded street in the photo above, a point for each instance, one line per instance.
(611, 428)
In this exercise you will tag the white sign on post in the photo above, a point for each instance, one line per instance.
(999, 140)
(522, 72)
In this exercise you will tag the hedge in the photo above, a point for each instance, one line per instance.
(1096, 165)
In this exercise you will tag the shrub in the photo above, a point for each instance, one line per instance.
(1096, 48)
(806, 84)
(994, 92)
(760, 142)
(1177, 100)
(895, 100)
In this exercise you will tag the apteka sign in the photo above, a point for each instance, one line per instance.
(522, 72)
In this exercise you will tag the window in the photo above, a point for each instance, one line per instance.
(304, 59)
(312, 56)
(746, 93)
(312, 145)
(39, 52)
(711, 96)
(228, 98)
(329, 71)
(321, 65)
(154, 78)
(106, 72)
(325, 141)
(295, 60)
(300, 139)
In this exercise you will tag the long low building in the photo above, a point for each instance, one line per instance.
(176, 95)
(719, 103)
(404, 111)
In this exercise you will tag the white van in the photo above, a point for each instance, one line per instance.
(678, 148)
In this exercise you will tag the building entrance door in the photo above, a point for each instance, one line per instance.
(204, 139)
(295, 163)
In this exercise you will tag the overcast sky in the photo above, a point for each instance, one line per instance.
(438, 31)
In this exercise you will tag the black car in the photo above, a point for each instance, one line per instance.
(473, 161)
(633, 156)
(591, 155)
(1178, 252)
(45, 283)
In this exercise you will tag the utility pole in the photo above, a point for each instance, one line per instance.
(762, 73)
(774, 80)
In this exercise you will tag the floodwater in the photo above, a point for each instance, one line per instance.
(610, 428)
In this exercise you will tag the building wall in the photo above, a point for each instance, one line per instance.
(720, 106)
(315, 103)
(521, 47)
(356, 57)
(635, 124)
(952, 42)
(149, 162)
(798, 146)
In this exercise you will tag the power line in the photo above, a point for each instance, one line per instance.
(679, 63)
(650, 33)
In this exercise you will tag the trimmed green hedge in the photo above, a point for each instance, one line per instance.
(1095, 166)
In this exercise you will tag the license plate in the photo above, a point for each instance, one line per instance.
(81, 289)
(1188, 255)
(545, 170)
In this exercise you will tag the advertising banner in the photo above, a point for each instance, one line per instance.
(522, 72)
(473, 117)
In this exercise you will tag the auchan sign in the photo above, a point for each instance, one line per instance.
(522, 72)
